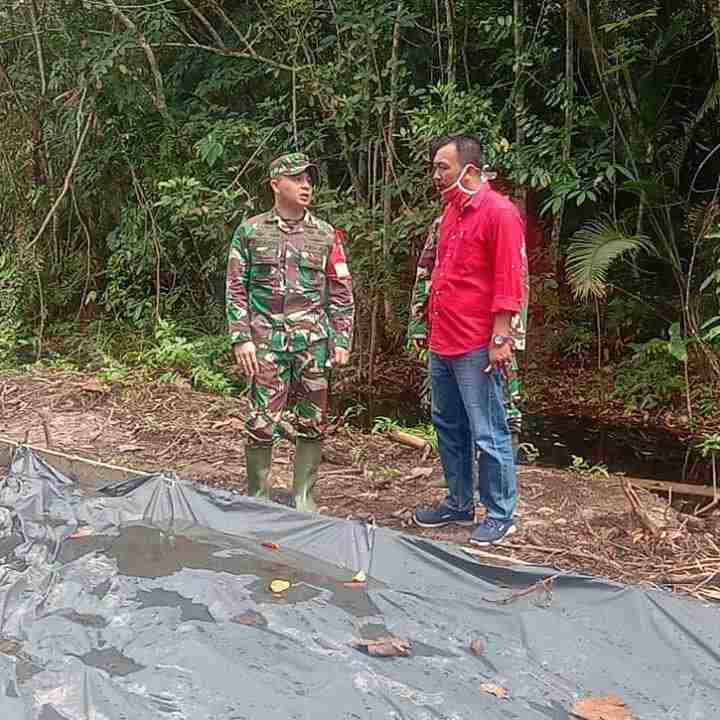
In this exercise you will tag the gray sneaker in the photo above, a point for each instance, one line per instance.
(443, 514)
(492, 532)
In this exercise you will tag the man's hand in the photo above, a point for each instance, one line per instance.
(246, 358)
(500, 357)
(341, 357)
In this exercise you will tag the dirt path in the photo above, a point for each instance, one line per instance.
(568, 520)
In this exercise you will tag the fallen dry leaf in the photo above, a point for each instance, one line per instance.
(419, 472)
(128, 448)
(607, 708)
(270, 546)
(94, 385)
(493, 689)
(360, 576)
(232, 423)
(81, 532)
(388, 646)
(250, 618)
(477, 648)
(278, 586)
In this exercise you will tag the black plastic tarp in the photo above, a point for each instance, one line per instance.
(152, 601)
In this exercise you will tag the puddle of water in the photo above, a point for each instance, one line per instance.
(86, 619)
(639, 452)
(189, 610)
(141, 551)
(111, 660)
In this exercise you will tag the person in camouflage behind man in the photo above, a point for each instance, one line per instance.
(290, 311)
(417, 334)
(471, 284)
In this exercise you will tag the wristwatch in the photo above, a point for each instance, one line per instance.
(500, 340)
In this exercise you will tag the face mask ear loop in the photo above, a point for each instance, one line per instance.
(460, 186)
(486, 174)
(458, 183)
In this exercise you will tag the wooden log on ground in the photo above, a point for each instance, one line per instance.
(407, 439)
(676, 487)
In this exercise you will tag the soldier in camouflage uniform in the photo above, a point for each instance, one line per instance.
(290, 311)
(513, 411)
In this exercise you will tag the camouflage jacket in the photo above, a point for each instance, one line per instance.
(288, 285)
(418, 325)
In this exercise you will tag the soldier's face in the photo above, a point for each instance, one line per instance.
(293, 190)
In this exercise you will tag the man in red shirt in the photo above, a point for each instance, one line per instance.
(470, 283)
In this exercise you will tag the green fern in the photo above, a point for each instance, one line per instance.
(593, 250)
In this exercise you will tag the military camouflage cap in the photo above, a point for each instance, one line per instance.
(293, 164)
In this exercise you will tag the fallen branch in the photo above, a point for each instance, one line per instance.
(545, 585)
(104, 427)
(566, 551)
(45, 420)
(646, 520)
(493, 556)
(407, 439)
(676, 487)
(689, 579)
(707, 508)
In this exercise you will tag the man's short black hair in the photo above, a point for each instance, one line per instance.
(469, 148)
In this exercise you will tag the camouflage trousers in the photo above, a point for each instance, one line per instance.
(513, 413)
(293, 383)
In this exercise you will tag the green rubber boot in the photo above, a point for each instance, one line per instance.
(308, 454)
(258, 459)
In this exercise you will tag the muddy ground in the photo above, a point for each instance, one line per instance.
(571, 521)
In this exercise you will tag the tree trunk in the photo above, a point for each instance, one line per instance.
(567, 143)
(390, 156)
(450, 18)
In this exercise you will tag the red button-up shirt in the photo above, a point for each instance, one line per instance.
(479, 270)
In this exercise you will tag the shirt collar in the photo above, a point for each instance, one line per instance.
(479, 197)
(274, 217)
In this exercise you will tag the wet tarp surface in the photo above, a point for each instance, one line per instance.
(152, 601)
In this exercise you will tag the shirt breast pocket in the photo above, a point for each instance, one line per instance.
(265, 272)
(311, 269)
(473, 259)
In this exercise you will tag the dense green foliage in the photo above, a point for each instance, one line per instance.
(134, 136)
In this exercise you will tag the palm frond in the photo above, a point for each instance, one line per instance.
(593, 250)
(712, 101)
(702, 218)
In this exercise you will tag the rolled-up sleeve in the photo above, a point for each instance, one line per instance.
(340, 302)
(508, 252)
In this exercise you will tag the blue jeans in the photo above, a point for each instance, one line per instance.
(469, 415)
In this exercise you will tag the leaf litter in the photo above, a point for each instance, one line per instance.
(605, 708)
(386, 646)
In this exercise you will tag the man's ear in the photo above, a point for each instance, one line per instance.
(274, 185)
